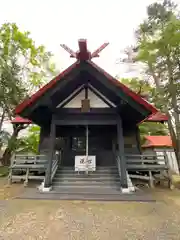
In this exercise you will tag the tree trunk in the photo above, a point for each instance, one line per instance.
(172, 88)
(2, 119)
(177, 119)
(1, 123)
(6, 158)
(174, 138)
(175, 135)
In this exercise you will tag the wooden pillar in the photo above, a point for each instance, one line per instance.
(47, 182)
(138, 139)
(114, 141)
(120, 140)
(41, 138)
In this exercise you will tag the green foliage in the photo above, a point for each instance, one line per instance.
(24, 67)
(153, 129)
(157, 48)
(137, 85)
(29, 143)
(145, 89)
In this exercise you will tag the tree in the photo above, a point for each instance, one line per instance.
(4, 138)
(29, 143)
(24, 67)
(157, 47)
(144, 89)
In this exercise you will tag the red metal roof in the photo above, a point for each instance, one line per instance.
(83, 54)
(157, 141)
(19, 119)
(41, 91)
(127, 90)
(157, 117)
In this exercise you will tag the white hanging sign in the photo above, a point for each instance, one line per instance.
(82, 163)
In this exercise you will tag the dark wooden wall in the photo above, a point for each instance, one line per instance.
(132, 141)
(104, 153)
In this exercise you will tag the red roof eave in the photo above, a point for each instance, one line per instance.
(157, 117)
(128, 91)
(42, 90)
(21, 120)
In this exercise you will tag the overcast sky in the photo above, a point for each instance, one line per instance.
(54, 22)
(65, 21)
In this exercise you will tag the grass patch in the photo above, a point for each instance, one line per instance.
(4, 171)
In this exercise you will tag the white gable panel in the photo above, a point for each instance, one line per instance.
(95, 101)
(76, 101)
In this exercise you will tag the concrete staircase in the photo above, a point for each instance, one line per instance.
(104, 181)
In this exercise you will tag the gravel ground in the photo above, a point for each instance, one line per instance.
(81, 220)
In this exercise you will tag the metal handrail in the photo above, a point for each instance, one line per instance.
(54, 168)
(118, 165)
(55, 165)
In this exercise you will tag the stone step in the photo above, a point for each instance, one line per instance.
(97, 167)
(88, 184)
(88, 179)
(105, 179)
(92, 197)
(84, 173)
(90, 189)
(88, 176)
(56, 182)
(97, 170)
(81, 194)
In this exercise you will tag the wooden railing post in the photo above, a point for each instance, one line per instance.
(151, 180)
(27, 177)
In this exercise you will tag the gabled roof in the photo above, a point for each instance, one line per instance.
(83, 55)
(114, 81)
(157, 141)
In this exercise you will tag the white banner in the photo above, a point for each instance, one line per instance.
(84, 164)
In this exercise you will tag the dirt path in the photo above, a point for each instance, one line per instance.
(81, 220)
(9, 191)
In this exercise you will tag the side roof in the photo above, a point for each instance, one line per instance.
(157, 141)
(158, 117)
(20, 120)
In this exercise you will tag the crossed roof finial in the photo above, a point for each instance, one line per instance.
(83, 54)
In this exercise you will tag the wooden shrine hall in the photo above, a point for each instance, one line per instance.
(89, 120)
